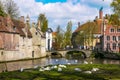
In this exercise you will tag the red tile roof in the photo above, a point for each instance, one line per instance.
(19, 26)
(1, 43)
(93, 26)
(6, 25)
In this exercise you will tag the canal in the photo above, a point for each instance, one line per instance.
(17, 65)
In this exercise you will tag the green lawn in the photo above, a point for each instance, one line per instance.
(105, 72)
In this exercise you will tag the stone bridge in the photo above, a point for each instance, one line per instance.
(87, 53)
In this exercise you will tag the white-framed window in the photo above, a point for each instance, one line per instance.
(118, 38)
(118, 30)
(114, 46)
(112, 30)
(118, 44)
(114, 38)
(108, 38)
(108, 45)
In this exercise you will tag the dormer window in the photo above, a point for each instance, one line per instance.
(14, 28)
(112, 30)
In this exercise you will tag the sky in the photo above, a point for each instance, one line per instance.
(60, 12)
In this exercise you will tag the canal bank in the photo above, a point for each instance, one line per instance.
(26, 64)
(70, 72)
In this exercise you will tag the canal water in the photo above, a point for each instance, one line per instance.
(11, 66)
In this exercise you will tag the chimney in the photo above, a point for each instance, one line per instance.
(28, 19)
(22, 19)
(78, 24)
(101, 13)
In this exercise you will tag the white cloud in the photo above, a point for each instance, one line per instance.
(60, 13)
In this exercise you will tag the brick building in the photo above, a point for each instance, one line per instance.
(110, 38)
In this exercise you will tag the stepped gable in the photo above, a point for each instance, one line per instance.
(19, 26)
(29, 34)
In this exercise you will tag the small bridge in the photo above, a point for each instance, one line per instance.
(87, 53)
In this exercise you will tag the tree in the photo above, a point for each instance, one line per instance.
(59, 37)
(68, 34)
(11, 9)
(43, 22)
(2, 13)
(85, 36)
(115, 18)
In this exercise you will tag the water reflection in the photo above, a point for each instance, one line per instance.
(10, 66)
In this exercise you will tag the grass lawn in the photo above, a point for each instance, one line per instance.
(105, 72)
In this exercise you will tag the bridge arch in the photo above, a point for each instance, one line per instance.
(85, 53)
(81, 53)
(56, 54)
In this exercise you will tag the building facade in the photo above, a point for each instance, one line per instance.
(17, 41)
(49, 39)
(38, 42)
(111, 38)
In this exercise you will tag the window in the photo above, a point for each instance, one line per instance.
(112, 30)
(118, 38)
(108, 37)
(36, 33)
(114, 46)
(118, 44)
(108, 45)
(118, 30)
(2, 53)
(114, 38)
(14, 28)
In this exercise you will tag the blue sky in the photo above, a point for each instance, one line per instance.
(50, 1)
(59, 12)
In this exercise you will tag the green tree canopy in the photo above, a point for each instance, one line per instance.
(43, 22)
(2, 13)
(115, 18)
(68, 34)
(59, 37)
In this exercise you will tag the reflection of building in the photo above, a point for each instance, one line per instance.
(49, 39)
